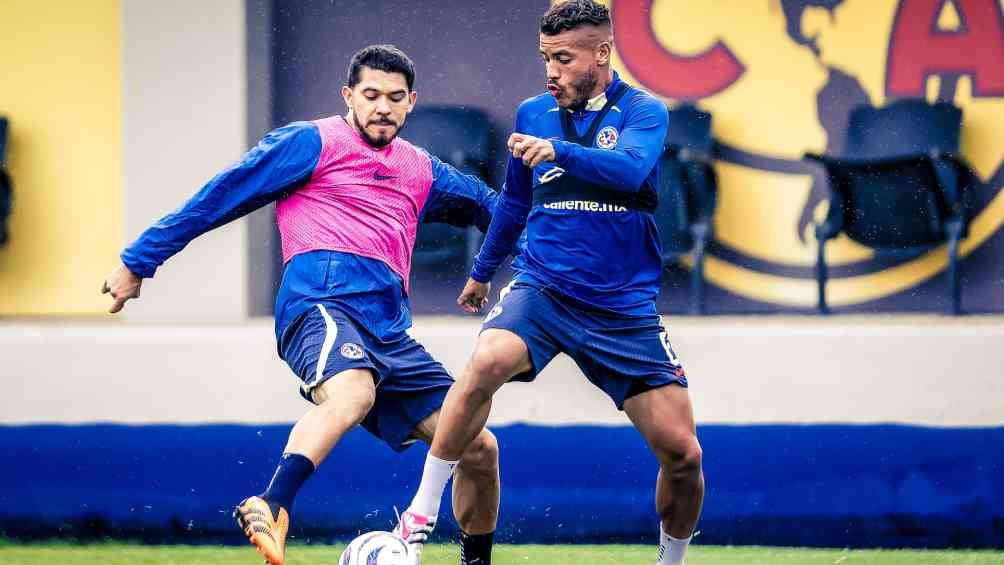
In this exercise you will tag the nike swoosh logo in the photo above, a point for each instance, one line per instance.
(378, 176)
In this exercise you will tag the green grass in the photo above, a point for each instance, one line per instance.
(125, 554)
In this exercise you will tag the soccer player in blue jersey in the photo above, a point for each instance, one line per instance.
(582, 180)
(349, 195)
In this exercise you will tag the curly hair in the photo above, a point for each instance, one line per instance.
(572, 14)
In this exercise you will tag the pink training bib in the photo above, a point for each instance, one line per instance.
(359, 199)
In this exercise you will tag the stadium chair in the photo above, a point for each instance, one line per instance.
(687, 194)
(903, 128)
(463, 137)
(904, 203)
(900, 187)
(6, 192)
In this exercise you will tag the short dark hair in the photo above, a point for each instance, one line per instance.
(572, 14)
(386, 58)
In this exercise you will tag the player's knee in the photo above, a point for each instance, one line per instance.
(483, 454)
(484, 368)
(683, 456)
(491, 363)
(693, 456)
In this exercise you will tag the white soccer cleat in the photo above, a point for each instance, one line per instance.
(415, 529)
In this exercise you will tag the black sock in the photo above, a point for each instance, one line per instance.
(476, 549)
(294, 470)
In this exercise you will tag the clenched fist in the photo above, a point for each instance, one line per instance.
(123, 285)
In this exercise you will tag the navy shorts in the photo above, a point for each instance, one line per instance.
(410, 384)
(622, 355)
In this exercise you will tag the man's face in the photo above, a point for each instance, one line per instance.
(380, 103)
(572, 60)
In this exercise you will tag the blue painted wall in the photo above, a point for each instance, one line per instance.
(807, 485)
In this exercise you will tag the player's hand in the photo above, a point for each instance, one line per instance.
(123, 285)
(474, 296)
(532, 150)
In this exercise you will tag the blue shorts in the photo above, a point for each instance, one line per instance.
(410, 384)
(622, 355)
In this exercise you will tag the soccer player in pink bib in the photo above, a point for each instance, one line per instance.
(350, 195)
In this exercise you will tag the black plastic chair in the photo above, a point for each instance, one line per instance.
(900, 185)
(897, 204)
(6, 191)
(462, 137)
(688, 189)
(903, 128)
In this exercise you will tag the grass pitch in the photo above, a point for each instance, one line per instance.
(126, 554)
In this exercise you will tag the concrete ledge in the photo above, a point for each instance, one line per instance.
(931, 371)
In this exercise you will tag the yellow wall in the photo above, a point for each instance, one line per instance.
(60, 86)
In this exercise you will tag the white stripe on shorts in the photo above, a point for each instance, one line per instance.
(330, 335)
(506, 289)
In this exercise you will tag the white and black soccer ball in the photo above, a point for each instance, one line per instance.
(376, 548)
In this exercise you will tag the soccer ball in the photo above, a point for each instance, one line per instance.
(376, 548)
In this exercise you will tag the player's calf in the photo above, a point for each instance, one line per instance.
(476, 499)
(476, 485)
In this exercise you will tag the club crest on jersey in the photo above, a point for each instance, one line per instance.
(607, 138)
(352, 351)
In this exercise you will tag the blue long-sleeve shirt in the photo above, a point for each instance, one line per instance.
(598, 252)
(281, 163)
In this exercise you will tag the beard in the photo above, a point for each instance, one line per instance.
(581, 87)
(375, 142)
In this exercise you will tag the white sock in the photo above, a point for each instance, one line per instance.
(436, 474)
(672, 550)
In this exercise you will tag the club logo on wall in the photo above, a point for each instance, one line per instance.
(781, 81)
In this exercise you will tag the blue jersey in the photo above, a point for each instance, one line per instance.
(590, 233)
(282, 162)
